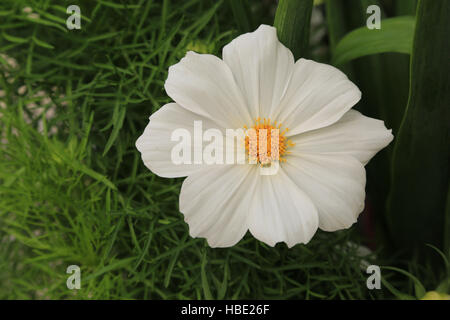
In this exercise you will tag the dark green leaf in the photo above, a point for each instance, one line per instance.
(240, 15)
(292, 21)
(420, 181)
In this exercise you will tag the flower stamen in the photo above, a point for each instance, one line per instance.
(265, 129)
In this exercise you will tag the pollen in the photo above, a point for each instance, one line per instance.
(266, 142)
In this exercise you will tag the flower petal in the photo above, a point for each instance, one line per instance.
(335, 184)
(317, 96)
(204, 84)
(282, 212)
(215, 203)
(262, 67)
(354, 134)
(155, 143)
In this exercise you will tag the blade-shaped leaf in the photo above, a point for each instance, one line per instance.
(395, 35)
(420, 168)
(292, 21)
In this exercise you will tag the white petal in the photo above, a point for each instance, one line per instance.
(204, 84)
(317, 96)
(215, 203)
(262, 67)
(354, 134)
(335, 184)
(155, 143)
(282, 212)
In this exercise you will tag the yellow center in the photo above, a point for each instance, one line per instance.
(273, 152)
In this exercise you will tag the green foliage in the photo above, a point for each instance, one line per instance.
(396, 35)
(292, 21)
(420, 176)
(383, 80)
(241, 15)
(73, 189)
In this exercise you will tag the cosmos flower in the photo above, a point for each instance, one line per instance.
(323, 144)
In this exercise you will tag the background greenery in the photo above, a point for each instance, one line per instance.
(73, 189)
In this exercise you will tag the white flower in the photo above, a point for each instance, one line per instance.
(321, 178)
